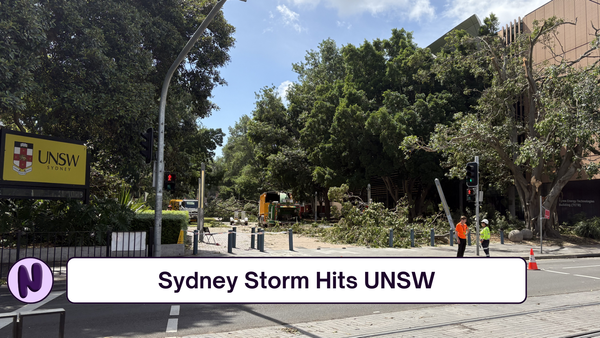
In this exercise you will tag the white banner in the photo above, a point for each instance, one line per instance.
(297, 280)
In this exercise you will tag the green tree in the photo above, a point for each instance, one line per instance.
(242, 177)
(93, 71)
(533, 120)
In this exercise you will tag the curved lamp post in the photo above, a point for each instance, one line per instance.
(161, 125)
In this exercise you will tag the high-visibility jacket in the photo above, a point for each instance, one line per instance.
(461, 230)
(485, 233)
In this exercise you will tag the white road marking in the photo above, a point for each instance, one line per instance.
(587, 266)
(562, 273)
(174, 310)
(172, 325)
(586, 276)
(30, 307)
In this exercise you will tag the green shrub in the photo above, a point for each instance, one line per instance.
(589, 228)
(371, 227)
(508, 222)
(173, 221)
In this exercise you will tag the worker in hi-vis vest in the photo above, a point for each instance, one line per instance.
(484, 236)
(461, 233)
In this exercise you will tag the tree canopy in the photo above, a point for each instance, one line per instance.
(535, 120)
(93, 71)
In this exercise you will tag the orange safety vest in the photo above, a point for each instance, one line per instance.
(461, 230)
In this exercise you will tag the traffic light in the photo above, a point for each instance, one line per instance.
(472, 174)
(470, 195)
(170, 181)
(147, 144)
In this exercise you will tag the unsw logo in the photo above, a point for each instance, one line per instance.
(23, 158)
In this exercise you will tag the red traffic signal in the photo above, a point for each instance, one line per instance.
(170, 179)
(470, 195)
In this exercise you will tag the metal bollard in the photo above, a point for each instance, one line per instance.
(229, 241)
(391, 238)
(501, 236)
(234, 234)
(451, 237)
(432, 237)
(195, 242)
(252, 237)
(469, 238)
(291, 234)
(261, 240)
(412, 238)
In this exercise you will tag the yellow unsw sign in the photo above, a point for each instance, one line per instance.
(33, 159)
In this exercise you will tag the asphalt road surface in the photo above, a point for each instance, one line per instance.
(556, 277)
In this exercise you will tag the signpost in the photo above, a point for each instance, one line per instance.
(42, 167)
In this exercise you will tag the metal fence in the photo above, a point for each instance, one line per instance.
(56, 248)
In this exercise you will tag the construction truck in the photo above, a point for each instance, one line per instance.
(275, 206)
(189, 205)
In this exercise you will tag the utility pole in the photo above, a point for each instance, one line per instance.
(161, 124)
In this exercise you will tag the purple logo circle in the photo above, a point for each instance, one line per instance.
(30, 280)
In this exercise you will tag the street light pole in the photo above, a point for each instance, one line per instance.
(161, 124)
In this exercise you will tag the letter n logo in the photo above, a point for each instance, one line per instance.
(30, 280)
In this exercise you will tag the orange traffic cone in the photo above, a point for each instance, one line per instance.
(532, 264)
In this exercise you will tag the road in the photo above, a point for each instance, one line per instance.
(557, 277)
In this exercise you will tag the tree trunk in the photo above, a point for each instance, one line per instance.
(408, 185)
(327, 206)
(420, 203)
(391, 187)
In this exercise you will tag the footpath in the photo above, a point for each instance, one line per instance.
(573, 315)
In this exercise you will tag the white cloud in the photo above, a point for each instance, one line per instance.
(290, 18)
(283, 89)
(505, 10)
(305, 3)
(344, 24)
(413, 9)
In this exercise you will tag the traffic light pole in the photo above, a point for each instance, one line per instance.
(161, 124)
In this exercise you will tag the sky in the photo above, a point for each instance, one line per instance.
(271, 35)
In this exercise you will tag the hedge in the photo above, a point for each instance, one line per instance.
(173, 221)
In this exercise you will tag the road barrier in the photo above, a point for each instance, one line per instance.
(18, 319)
(55, 248)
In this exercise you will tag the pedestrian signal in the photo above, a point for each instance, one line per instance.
(470, 195)
(170, 179)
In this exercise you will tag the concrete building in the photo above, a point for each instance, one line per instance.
(582, 194)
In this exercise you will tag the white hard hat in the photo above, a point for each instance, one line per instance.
(485, 221)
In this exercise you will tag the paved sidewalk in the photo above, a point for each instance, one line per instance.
(508, 249)
(542, 316)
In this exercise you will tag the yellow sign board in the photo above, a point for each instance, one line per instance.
(40, 160)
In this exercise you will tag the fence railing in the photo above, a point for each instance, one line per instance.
(56, 248)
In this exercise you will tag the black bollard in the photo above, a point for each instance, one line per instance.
(195, 242)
